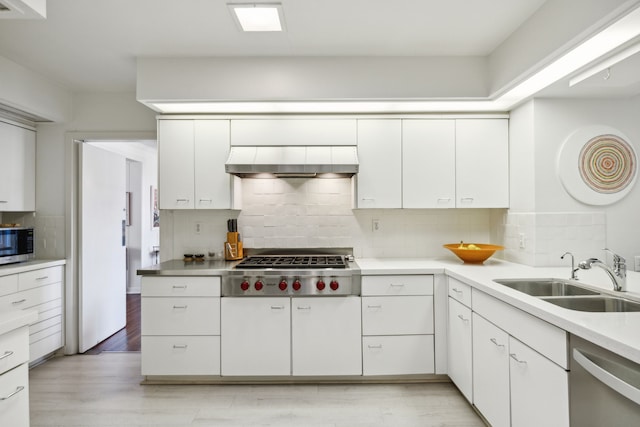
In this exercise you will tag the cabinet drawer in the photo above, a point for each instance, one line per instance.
(543, 337)
(180, 316)
(405, 315)
(460, 291)
(181, 355)
(14, 389)
(32, 297)
(8, 284)
(41, 277)
(397, 285)
(45, 346)
(398, 355)
(14, 348)
(180, 286)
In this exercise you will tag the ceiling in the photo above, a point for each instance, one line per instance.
(92, 45)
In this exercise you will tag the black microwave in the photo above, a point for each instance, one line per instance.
(16, 244)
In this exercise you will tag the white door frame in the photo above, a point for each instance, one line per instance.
(72, 139)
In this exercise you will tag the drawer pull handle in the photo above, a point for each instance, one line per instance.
(206, 200)
(180, 346)
(444, 199)
(182, 200)
(466, 199)
(179, 286)
(399, 285)
(514, 357)
(18, 390)
(462, 318)
(493, 340)
(42, 278)
(6, 354)
(182, 307)
(374, 306)
(19, 302)
(277, 307)
(456, 290)
(375, 346)
(304, 308)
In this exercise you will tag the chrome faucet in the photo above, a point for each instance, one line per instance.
(574, 275)
(617, 274)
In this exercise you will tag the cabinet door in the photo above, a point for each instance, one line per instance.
(176, 164)
(14, 392)
(482, 163)
(255, 337)
(534, 378)
(293, 132)
(491, 371)
(428, 163)
(459, 347)
(18, 172)
(212, 183)
(326, 336)
(379, 153)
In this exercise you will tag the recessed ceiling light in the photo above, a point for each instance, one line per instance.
(258, 16)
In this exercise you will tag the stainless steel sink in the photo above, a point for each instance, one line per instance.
(546, 287)
(599, 304)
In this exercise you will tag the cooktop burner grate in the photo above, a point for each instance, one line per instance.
(294, 261)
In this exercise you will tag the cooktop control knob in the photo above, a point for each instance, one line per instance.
(258, 285)
(334, 285)
(244, 285)
(320, 284)
(282, 285)
(296, 285)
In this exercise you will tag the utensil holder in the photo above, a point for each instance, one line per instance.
(233, 247)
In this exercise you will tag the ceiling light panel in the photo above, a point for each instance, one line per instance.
(254, 17)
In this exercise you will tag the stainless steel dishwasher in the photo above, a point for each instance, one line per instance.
(604, 388)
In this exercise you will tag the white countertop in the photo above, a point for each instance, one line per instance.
(618, 332)
(14, 319)
(35, 264)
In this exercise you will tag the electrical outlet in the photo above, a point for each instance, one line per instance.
(521, 240)
(375, 225)
(636, 263)
(198, 227)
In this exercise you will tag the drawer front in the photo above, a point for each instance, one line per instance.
(14, 390)
(398, 355)
(32, 297)
(181, 355)
(14, 348)
(180, 316)
(41, 277)
(45, 346)
(405, 315)
(459, 291)
(8, 284)
(543, 337)
(397, 285)
(180, 286)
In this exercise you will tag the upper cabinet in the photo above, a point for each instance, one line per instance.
(433, 163)
(276, 132)
(380, 156)
(18, 172)
(482, 163)
(192, 154)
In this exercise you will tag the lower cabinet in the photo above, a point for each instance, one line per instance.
(459, 354)
(14, 378)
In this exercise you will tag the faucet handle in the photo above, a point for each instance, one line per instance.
(617, 259)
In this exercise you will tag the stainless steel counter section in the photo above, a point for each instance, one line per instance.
(178, 267)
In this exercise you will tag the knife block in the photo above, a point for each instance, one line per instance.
(233, 247)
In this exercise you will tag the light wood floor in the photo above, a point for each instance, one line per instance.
(105, 390)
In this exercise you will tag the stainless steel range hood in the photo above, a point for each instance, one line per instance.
(292, 161)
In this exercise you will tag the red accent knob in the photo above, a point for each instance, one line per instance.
(258, 285)
(320, 284)
(244, 285)
(334, 285)
(296, 285)
(282, 285)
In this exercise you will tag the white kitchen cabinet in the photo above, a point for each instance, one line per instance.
(428, 163)
(191, 155)
(180, 322)
(459, 348)
(14, 378)
(539, 388)
(18, 172)
(398, 355)
(256, 336)
(326, 336)
(379, 181)
(482, 163)
(491, 393)
(397, 315)
(278, 132)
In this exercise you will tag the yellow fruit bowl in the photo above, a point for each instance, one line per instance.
(473, 253)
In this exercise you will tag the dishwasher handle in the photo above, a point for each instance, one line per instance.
(590, 363)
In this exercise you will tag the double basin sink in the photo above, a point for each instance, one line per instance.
(567, 294)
